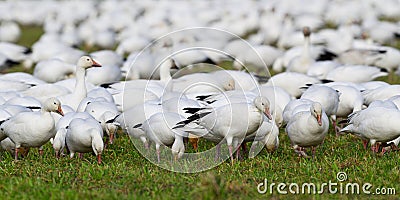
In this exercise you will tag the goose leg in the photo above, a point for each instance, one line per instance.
(80, 155)
(57, 155)
(218, 151)
(158, 152)
(16, 154)
(313, 151)
(251, 151)
(99, 158)
(230, 148)
(111, 138)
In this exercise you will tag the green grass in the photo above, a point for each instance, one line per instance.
(126, 174)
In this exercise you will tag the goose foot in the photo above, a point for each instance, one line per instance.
(195, 143)
(365, 144)
(41, 152)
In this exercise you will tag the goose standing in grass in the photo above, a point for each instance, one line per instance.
(158, 129)
(83, 136)
(377, 124)
(267, 134)
(223, 122)
(31, 129)
(327, 97)
(74, 99)
(308, 129)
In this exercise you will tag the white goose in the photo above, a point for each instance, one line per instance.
(31, 129)
(356, 73)
(302, 63)
(308, 129)
(327, 97)
(85, 135)
(297, 80)
(221, 123)
(158, 129)
(267, 134)
(74, 99)
(380, 93)
(376, 124)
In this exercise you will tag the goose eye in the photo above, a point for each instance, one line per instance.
(54, 103)
(87, 59)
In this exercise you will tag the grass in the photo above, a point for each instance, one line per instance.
(126, 174)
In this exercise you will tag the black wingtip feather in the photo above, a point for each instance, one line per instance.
(137, 126)
(192, 110)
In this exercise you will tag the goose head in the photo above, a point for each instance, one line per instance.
(306, 31)
(262, 104)
(316, 111)
(229, 85)
(87, 62)
(53, 105)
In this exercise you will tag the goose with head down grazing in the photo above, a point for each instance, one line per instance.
(378, 124)
(74, 99)
(31, 129)
(158, 129)
(85, 135)
(222, 123)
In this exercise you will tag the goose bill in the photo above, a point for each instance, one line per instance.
(95, 64)
(268, 114)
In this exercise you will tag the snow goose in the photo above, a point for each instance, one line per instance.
(258, 57)
(350, 100)
(9, 31)
(294, 106)
(297, 80)
(31, 129)
(62, 124)
(320, 69)
(80, 91)
(104, 112)
(356, 73)
(376, 124)
(158, 129)
(90, 141)
(202, 83)
(361, 56)
(327, 97)
(380, 93)
(137, 115)
(267, 134)
(278, 98)
(15, 52)
(222, 122)
(243, 80)
(44, 91)
(53, 70)
(308, 129)
(302, 63)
